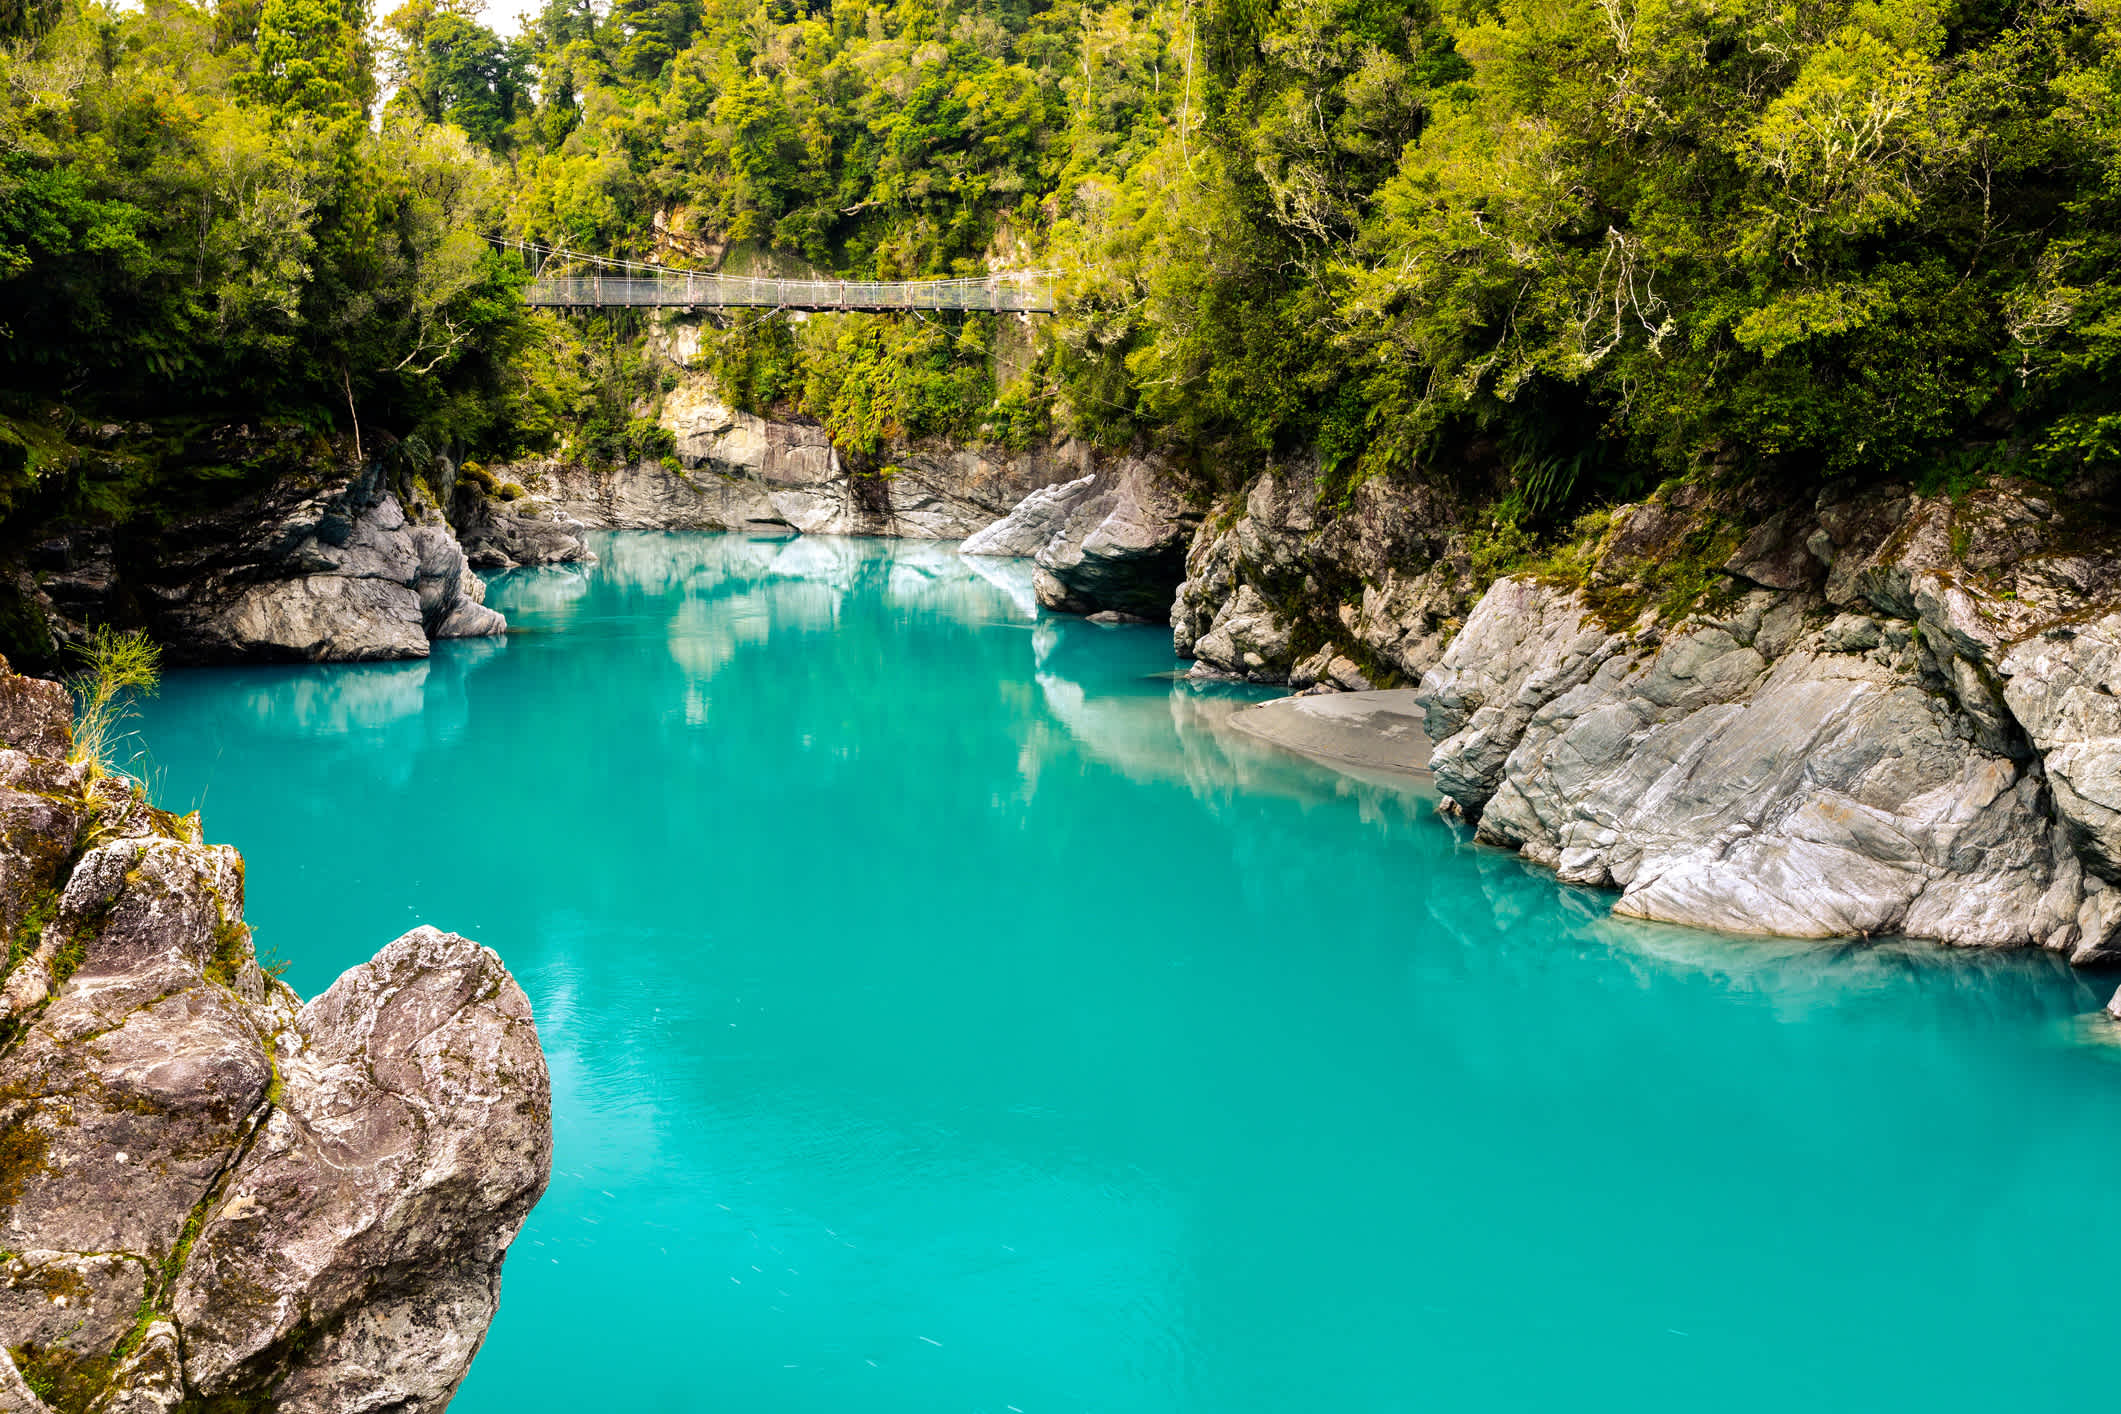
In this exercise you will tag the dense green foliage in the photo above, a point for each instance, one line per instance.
(1616, 239)
(199, 224)
(1574, 247)
(1593, 243)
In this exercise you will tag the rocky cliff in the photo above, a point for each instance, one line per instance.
(1864, 714)
(330, 559)
(213, 1195)
(1886, 718)
(1289, 584)
(1109, 531)
(323, 564)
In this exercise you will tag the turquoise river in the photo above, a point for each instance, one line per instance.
(947, 1014)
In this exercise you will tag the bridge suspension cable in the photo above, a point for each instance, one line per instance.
(637, 284)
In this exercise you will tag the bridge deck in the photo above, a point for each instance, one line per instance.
(683, 290)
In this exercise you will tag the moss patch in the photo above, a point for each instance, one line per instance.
(24, 1149)
(22, 941)
(231, 951)
(67, 1380)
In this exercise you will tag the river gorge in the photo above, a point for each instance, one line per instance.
(946, 1010)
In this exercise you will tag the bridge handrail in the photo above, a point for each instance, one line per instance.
(645, 285)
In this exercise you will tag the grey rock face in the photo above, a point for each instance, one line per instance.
(644, 496)
(1381, 579)
(322, 618)
(1122, 546)
(1107, 538)
(1033, 525)
(1247, 637)
(1898, 719)
(207, 1189)
(35, 717)
(2059, 685)
(497, 539)
(331, 573)
(738, 471)
(1741, 775)
(1523, 648)
(380, 1196)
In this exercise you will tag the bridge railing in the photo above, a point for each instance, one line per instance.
(681, 289)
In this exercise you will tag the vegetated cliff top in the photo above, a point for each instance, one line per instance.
(1873, 240)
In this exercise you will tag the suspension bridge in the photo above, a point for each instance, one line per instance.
(596, 282)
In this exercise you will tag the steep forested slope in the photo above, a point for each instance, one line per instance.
(1559, 250)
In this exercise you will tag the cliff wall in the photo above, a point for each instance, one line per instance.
(1861, 714)
(327, 564)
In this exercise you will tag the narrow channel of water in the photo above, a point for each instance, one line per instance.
(945, 1016)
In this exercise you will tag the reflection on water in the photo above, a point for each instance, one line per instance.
(947, 1013)
(393, 711)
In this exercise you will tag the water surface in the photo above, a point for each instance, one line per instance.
(945, 1015)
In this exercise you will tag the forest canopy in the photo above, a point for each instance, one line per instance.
(1586, 244)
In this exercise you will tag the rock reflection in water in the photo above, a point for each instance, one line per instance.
(961, 965)
(396, 711)
(1176, 730)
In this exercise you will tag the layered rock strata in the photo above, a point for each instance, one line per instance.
(1891, 714)
(211, 1193)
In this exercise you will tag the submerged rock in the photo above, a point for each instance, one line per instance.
(209, 1191)
(1372, 731)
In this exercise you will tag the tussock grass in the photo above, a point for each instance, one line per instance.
(117, 668)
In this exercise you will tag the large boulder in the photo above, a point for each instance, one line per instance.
(354, 1258)
(1122, 547)
(210, 1195)
(331, 572)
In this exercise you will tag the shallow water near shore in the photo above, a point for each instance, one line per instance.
(945, 1013)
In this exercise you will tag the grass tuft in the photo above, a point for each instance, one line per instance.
(115, 667)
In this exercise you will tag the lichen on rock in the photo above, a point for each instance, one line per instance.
(207, 1189)
(1871, 727)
